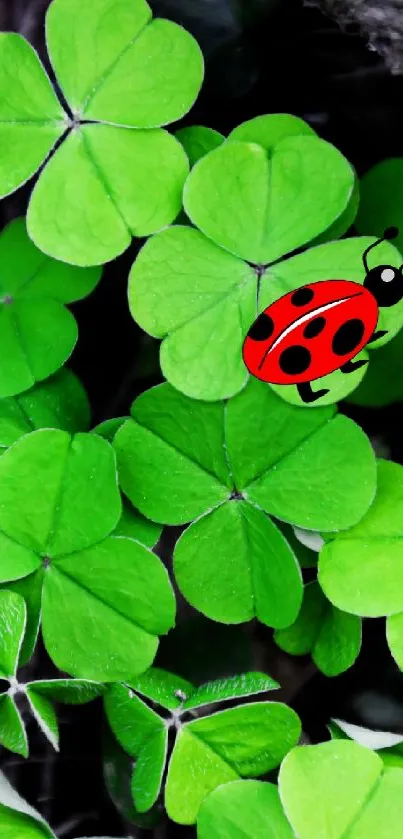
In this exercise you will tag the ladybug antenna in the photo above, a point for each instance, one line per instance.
(388, 234)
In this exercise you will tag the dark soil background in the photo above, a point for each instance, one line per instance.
(262, 56)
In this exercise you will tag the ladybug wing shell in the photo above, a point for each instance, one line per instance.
(313, 334)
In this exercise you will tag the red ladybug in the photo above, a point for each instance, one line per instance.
(320, 327)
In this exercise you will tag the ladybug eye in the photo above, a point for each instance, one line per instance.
(386, 284)
(388, 274)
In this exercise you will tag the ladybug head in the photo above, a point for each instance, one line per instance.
(385, 282)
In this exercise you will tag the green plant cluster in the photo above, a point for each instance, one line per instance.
(262, 486)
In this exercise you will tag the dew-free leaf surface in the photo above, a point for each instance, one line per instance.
(243, 810)
(58, 402)
(37, 332)
(105, 599)
(340, 789)
(228, 466)
(105, 182)
(332, 637)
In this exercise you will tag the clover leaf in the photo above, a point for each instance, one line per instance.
(37, 332)
(59, 503)
(38, 693)
(243, 810)
(340, 788)
(209, 750)
(58, 402)
(360, 569)
(228, 466)
(251, 209)
(331, 636)
(118, 70)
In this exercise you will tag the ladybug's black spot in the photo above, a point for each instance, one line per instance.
(315, 327)
(295, 360)
(348, 336)
(302, 296)
(262, 328)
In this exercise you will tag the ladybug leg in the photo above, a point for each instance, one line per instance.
(307, 394)
(350, 366)
(379, 334)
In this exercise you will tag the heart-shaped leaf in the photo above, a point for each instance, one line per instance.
(59, 501)
(105, 182)
(338, 789)
(332, 637)
(37, 333)
(243, 810)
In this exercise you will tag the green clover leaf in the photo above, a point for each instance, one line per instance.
(39, 693)
(360, 570)
(199, 288)
(37, 332)
(59, 503)
(209, 750)
(58, 402)
(332, 637)
(118, 70)
(243, 810)
(229, 466)
(340, 789)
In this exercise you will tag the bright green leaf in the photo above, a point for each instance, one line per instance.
(243, 810)
(108, 428)
(58, 402)
(131, 720)
(12, 731)
(18, 820)
(210, 292)
(12, 628)
(114, 599)
(31, 118)
(360, 570)
(149, 770)
(259, 207)
(247, 684)
(37, 333)
(67, 691)
(270, 129)
(58, 493)
(340, 788)
(246, 740)
(30, 588)
(332, 637)
(257, 574)
(197, 140)
(45, 716)
(166, 689)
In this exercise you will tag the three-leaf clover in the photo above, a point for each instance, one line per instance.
(331, 636)
(210, 750)
(200, 287)
(243, 810)
(38, 693)
(105, 598)
(37, 332)
(360, 569)
(116, 173)
(58, 402)
(341, 789)
(229, 465)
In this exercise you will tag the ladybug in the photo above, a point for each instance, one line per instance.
(321, 327)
